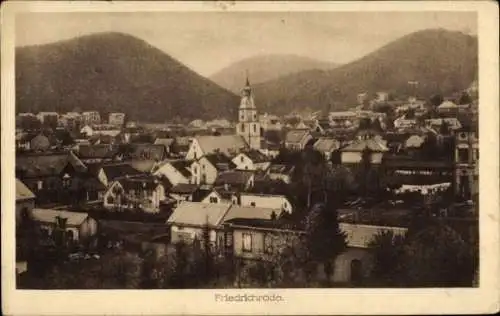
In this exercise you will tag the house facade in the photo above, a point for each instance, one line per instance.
(353, 153)
(466, 163)
(280, 202)
(79, 226)
(91, 117)
(25, 201)
(117, 119)
(251, 160)
(229, 145)
(260, 240)
(190, 219)
(298, 139)
(144, 193)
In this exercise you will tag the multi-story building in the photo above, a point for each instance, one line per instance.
(48, 117)
(248, 124)
(466, 163)
(117, 119)
(91, 117)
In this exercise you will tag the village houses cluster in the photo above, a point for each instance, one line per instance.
(84, 169)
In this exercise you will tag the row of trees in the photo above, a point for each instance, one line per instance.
(429, 255)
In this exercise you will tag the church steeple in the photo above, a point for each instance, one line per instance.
(247, 90)
(248, 126)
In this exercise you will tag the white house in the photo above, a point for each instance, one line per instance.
(229, 145)
(189, 220)
(270, 122)
(79, 225)
(251, 160)
(279, 202)
(176, 171)
(206, 169)
(353, 153)
(403, 122)
(144, 193)
(452, 122)
(117, 119)
(91, 117)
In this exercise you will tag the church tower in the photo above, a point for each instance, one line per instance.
(248, 123)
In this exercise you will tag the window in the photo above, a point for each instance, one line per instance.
(255, 128)
(254, 116)
(247, 243)
(268, 243)
(40, 184)
(195, 170)
(477, 154)
(463, 155)
(252, 204)
(214, 199)
(242, 159)
(242, 128)
(110, 200)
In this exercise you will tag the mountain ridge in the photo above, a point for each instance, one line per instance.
(265, 67)
(113, 71)
(441, 61)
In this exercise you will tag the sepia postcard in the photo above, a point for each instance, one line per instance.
(227, 157)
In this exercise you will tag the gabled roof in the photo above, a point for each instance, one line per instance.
(227, 144)
(148, 151)
(250, 212)
(326, 144)
(296, 135)
(198, 214)
(119, 170)
(184, 188)
(362, 144)
(97, 151)
(49, 216)
(414, 141)
(139, 183)
(181, 165)
(256, 156)
(360, 236)
(167, 142)
(145, 166)
(22, 191)
(281, 168)
(447, 105)
(41, 165)
(234, 178)
(220, 161)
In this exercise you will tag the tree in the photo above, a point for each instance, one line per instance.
(387, 251)
(365, 123)
(375, 125)
(410, 114)
(437, 256)
(324, 239)
(464, 98)
(444, 129)
(436, 100)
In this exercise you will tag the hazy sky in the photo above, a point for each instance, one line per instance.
(207, 42)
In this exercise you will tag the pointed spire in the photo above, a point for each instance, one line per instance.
(248, 81)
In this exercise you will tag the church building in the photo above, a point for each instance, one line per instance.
(248, 125)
